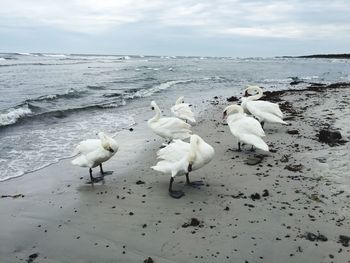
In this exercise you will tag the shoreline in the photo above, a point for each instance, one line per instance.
(124, 220)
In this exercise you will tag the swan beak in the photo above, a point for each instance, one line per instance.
(111, 150)
(152, 108)
(189, 168)
(224, 115)
(246, 94)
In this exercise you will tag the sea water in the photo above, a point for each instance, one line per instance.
(50, 102)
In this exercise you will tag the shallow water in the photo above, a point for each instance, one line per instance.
(49, 102)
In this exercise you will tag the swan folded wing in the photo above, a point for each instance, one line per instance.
(264, 106)
(90, 145)
(247, 125)
(183, 111)
(98, 156)
(174, 151)
(254, 140)
(174, 168)
(273, 118)
(173, 124)
(173, 128)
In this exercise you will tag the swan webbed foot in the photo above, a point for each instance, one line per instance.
(95, 179)
(98, 179)
(195, 184)
(176, 194)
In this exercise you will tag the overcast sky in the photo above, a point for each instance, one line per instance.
(176, 27)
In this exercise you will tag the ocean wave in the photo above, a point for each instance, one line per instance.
(133, 80)
(112, 95)
(95, 87)
(23, 54)
(25, 114)
(31, 108)
(68, 94)
(42, 64)
(14, 114)
(142, 93)
(55, 55)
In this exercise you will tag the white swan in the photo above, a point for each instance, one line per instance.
(179, 158)
(264, 111)
(182, 110)
(168, 127)
(246, 129)
(94, 152)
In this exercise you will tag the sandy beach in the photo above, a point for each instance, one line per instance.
(289, 205)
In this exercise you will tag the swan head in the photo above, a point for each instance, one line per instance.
(232, 109)
(108, 143)
(113, 146)
(250, 89)
(153, 105)
(180, 100)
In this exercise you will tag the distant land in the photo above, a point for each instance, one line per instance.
(336, 56)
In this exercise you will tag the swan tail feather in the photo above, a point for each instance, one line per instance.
(274, 119)
(80, 161)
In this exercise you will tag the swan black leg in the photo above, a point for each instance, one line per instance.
(91, 178)
(173, 193)
(195, 184)
(102, 172)
(252, 149)
(239, 147)
(96, 179)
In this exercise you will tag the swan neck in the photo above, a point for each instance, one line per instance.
(158, 113)
(105, 142)
(256, 96)
(236, 110)
(193, 150)
(179, 101)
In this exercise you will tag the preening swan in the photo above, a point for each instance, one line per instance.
(182, 110)
(94, 152)
(168, 127)
(264, 111)
(246, 129)
(180, 158)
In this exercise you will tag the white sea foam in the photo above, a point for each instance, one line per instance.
(55, 55)
(310, 77)
(12, 115)
(42, 146)
(2, 59)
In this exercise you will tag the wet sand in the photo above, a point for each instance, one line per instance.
(289, 205)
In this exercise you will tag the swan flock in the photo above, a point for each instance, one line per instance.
(178, 157)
